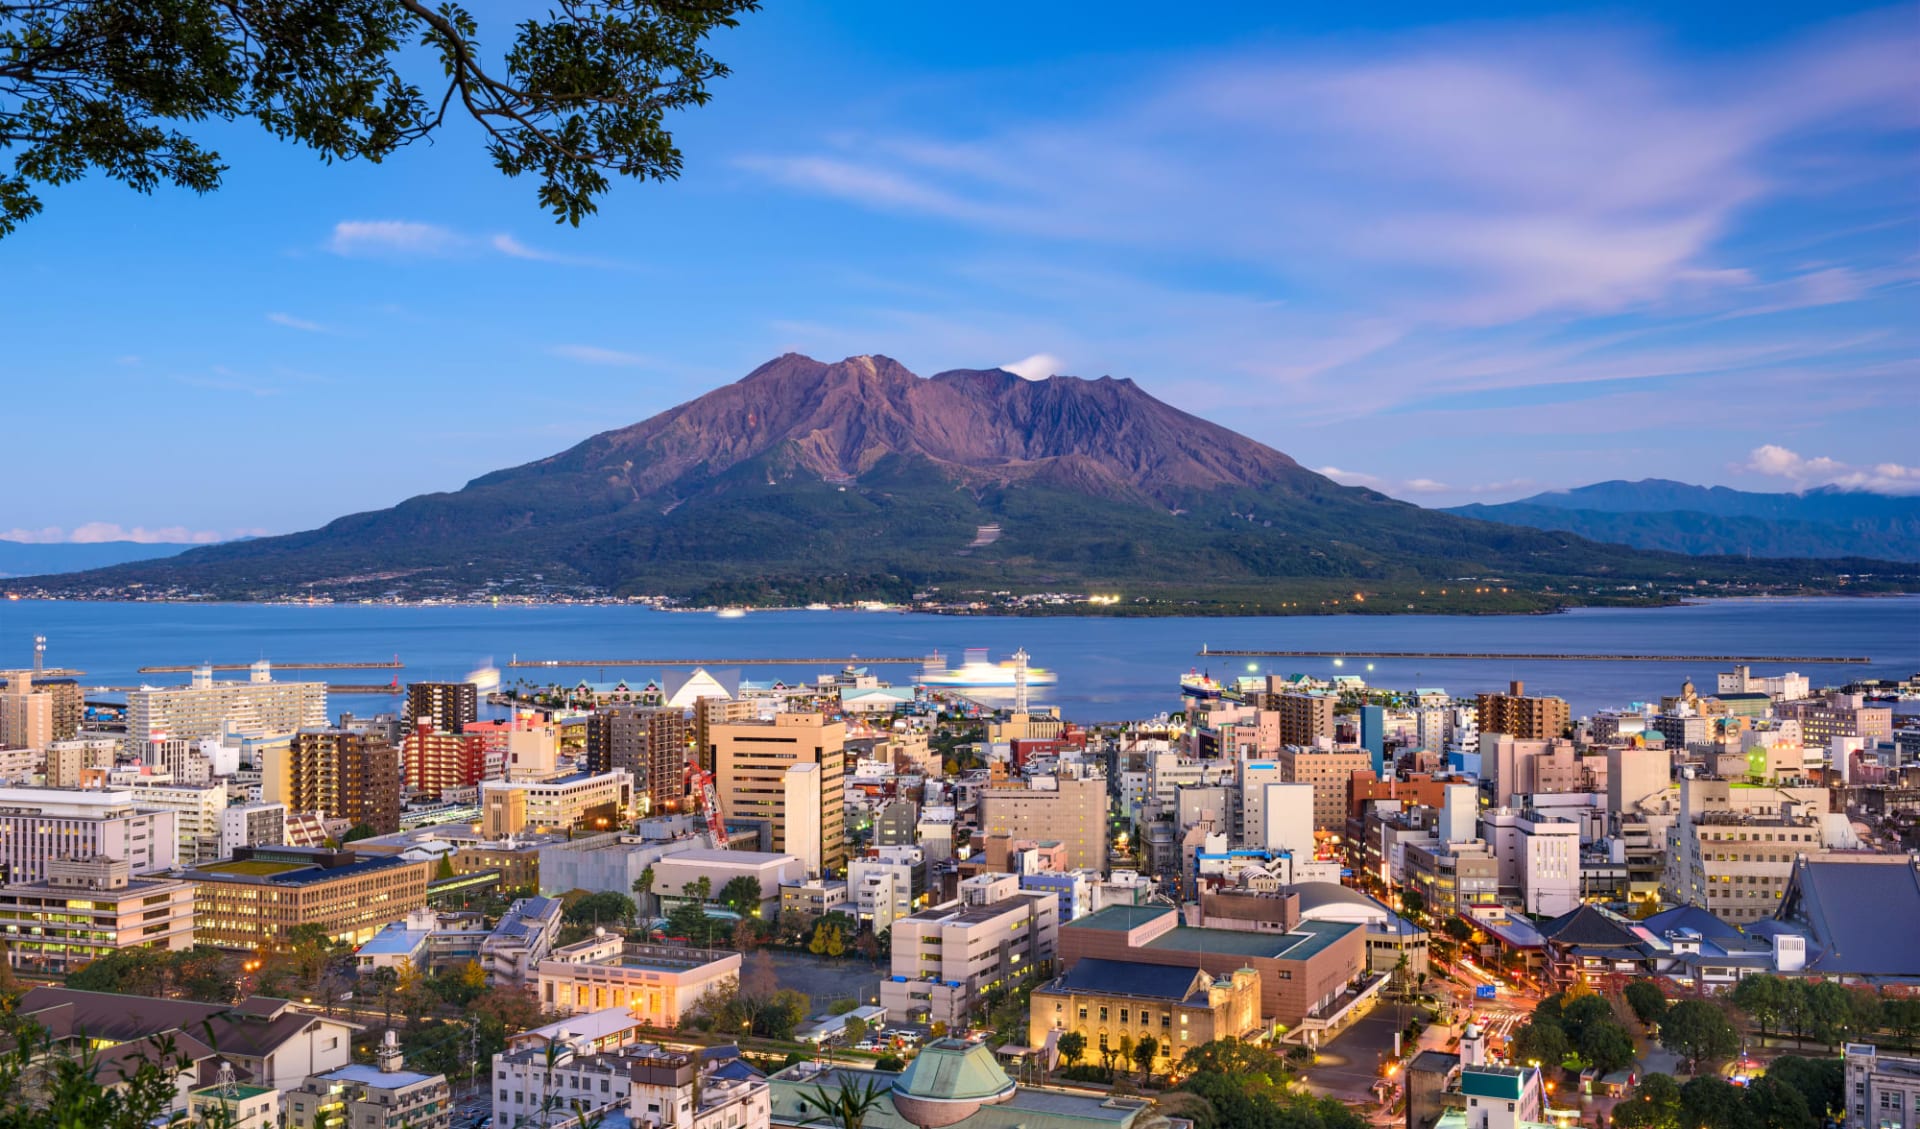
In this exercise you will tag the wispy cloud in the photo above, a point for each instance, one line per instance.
(595, 355)
(394, 239)
(96, 532)
(1881, 478)
(291, 322)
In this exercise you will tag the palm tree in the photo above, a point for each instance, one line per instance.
(845, 1108)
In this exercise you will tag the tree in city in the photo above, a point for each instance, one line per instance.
(1606, 1046)
(578, 95)
(745, 937)
(1071, 1045)
(607, 907)
(1764, 998)
(1710, 1102)
(1698, 1032)
(690, 920)
(847, 1106)
(1821, 1082)
(77, 1089)
(742, 895)
(1233, 1057)
(1647, 1002)
(643, 889)
(1413, 903)
(868, 946)
(1540, 1041)
(1653, 1104)
(855, 1030)
(1771, 1103)
(1144, 1052)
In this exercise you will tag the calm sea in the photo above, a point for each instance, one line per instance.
(1109, 669)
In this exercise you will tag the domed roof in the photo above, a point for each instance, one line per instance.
(948, 1082)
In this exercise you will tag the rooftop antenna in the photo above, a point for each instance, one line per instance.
(39, 655)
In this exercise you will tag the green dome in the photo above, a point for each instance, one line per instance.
(948, 1082)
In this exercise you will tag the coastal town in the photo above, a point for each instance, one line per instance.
(886, 897)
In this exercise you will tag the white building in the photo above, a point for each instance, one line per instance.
(946, 958)
(1538, 857)
(881, 887)
(252, 825)
(258, 707)
(199, 811)
(596, 1065)
(656, 983)
(41, 824)
(674, 873)
(1882, 1090)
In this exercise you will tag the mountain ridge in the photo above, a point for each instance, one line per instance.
(809, 480)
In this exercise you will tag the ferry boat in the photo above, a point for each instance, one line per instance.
(978, 673)
(731, 613)
(1194, 684)
(486, 679)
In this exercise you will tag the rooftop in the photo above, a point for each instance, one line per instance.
(374, 1076)
(1120, 919)
(1127, 978)
(1302, 942)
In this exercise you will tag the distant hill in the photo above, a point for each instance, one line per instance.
(859, 480)
(1677, 517)
(22, 558)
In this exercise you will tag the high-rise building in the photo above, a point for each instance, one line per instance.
(1515, 714)
(1069, 809)
(26, 714)
(1330, 771)
(66, 759)
(752, 760)
(711, 711)
(1304, 718)
(349, 774)
(1732, 849)
(448, 705)
(438, 760)
(258, 707)
(39, 825)
(651, 744)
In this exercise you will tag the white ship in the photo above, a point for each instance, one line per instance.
(978, 673)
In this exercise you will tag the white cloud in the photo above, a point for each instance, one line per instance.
(394, 239)
(595, 355)
(1775, 461)
(292, 322)
(1037, 367)
(1350, 477)
(95, 532)
(1424, 486)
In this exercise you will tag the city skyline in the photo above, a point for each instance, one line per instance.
(1454, 261)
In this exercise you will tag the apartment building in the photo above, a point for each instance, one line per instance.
(350, 774)
(1522, 717)
(1538, 859)
(651, 744)
(1305, 719)
(26, 714)
(788, 772)
(594, 1063)
(253, 900)
(1732, 849)
(592, 801)
(86, 908)
(40, 825)
(449, 706)
(1070, 808)
(886, 885)
(1452, 876)
(66, 760)
(440, 760)
(258, 707)
(251, 825)
(198, 810)
(945, 958)
(1330, 771)
(385, 1096)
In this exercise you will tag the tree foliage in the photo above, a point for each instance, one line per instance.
(608, 907)
(577, 96)
(1647, 1001)
(1698, 1032)
(199, 973)
(742, 895)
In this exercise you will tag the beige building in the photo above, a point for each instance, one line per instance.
(385, 1096)
(258, 707)
(1330, 771)
(657, 984)
(1304, 718)
(86, 908)
(67, 759)
(593, 801)
(1114, 1004)
(26, 713)
(197, 809)
(1731, 850)
(1071, 810)
(947, 957)
(253, 900)
(754, 763)
(1882, 1089)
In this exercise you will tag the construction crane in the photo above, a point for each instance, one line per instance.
(702, 781)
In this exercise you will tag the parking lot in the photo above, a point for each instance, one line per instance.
(1349, 1064)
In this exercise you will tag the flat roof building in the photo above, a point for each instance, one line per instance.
(657, 984)
(253, 900)
(87, 908)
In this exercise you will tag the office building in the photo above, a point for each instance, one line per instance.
(1069, 807)
(441, 760)
(1105, 1001)
(252, 825)
(39, 825)
(1882, 1089)
(650, 743)
(1304, 972)
(589, 801)
(1516, 715)
(1537, 855)
(198, 810)
(1732, 850)
(450, 706)
(752, 761)
(88, 907)
(1330, 771)
(253, 900)
(885, 885)
(657, 984)
(26, 714)
(258, 707)
(947, 957)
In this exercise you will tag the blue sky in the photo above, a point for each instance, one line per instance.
(1457, 257)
